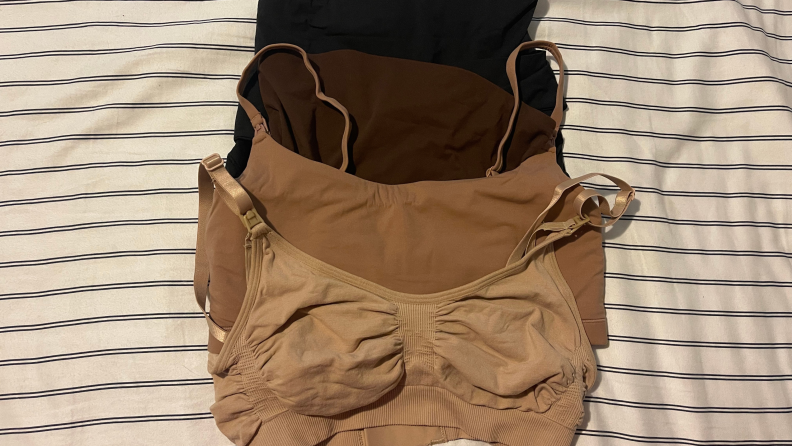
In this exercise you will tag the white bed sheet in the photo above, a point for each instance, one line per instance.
(106, 106)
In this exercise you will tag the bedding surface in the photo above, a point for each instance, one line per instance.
(107, 106)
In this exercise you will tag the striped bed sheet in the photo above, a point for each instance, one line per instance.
(106, 107)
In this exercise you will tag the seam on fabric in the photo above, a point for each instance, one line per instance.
(434, 337)
(578, 380)
(563, 288)
(253, 278)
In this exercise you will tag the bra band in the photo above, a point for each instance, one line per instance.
(255, 116)
(212, 176)
(511, 72)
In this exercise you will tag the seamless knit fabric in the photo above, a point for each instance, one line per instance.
(320, 349)
(411, 121)
(450, 125)
(475, 36)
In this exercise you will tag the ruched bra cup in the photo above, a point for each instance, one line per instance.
(506, 347)
(340, 344)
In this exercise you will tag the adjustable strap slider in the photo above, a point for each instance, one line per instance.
(568, 226)
(551, 143)
(259, 124)
(251, 219)
(212, 162)
(577, 223)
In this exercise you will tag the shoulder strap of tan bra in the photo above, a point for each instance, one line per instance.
(511, 72)
(255, 116)
(623, 198)
(213, 175)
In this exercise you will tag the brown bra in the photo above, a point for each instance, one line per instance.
(412, 121)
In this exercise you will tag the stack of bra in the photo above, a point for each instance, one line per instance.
(398, 259)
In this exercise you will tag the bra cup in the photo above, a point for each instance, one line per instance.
(509, 346)
(340, 343)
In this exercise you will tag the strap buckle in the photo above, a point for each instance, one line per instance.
(212, 162)
(577, 222)
(251, 219)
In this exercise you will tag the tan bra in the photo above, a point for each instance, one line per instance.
(316, 351)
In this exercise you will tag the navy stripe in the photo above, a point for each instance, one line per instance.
(106, 386)
(680, 109)
(136, 49)
(98, 320)
(670, 29)
(674, 136)
(694, 194)
(103, 352)
(693, 281)
(690, 2)
(112, 136)
(708, 223)
(96, 287)
(118, 77)
(700, 344)
(37, 2)
(104, 194)
(104, 421)
(114, 106)
(694, 251)
(691, 376)
(98, 256)
(663, 81)
(679, 440)
(99, 224)
(672, 165)
(101, 165)
(662, 55)
(169, 221)
(683, 408)
(118, 24)
(698, 312)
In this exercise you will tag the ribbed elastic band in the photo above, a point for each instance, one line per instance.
(434, 406)
(423, 406)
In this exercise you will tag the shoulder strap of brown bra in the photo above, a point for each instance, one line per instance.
(255, 116)
(623, 198)
(213, 175)
(511, 72)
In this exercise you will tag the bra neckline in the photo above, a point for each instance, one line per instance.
(298, 161)
(325, 269)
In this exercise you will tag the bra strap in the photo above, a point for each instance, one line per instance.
(255, 116)
(511, 72)
(623, 198)
(213, 175)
